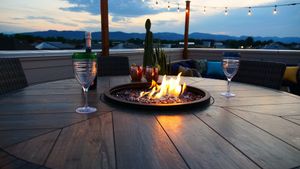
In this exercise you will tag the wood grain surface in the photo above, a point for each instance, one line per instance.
(39, 129)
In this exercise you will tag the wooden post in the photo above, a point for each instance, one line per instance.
(104, 27)
(186, 32)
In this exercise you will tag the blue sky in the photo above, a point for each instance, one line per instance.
(130, 15)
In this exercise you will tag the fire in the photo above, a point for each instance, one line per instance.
(168, 87)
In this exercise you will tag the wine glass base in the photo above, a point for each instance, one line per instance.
(228, 94)
(86, 110)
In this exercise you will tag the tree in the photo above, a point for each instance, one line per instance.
(249, 42)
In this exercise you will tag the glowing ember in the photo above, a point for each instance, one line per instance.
(169, 87)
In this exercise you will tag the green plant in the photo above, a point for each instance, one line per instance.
(149, 58)
(161, 60)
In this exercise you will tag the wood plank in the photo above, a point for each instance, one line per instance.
(16, 136)
(50, 91)
(6, 160)
(85, 145)
(49, 104)
(39, 121)
(30, 166)
(14, 165)
(12, 99)
(200, 146)
(35, 150)
(2, 153)
(275, 109)
(295, 119)
(250, 101)
(142, 143)
(285, 130)
(263, 148)
(118, 80)
(252, 93)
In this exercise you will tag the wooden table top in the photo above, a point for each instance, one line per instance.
(259, 128)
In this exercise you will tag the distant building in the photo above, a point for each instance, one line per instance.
(274, 46)
(219, 45)
(206, 44)
(54, 46)
(189, 43)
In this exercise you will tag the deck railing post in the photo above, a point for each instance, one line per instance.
(104, 27)
(186, 32)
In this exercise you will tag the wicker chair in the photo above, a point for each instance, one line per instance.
(113, 66)
(267, 74)
(12, 76)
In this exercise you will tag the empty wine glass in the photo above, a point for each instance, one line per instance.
(85, 70)
(230, 68)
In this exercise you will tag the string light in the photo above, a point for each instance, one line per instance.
(275, 10)
(226, 11)
(249, 11)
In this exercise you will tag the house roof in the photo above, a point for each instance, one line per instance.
(54, 45)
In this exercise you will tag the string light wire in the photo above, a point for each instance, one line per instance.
(250, 8)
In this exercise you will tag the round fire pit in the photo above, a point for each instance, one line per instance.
(126, 95)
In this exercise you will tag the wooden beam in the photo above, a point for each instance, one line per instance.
(104, 27)
(186, 32)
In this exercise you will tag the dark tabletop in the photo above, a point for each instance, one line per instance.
(259, 128)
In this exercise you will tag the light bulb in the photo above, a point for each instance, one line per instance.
(226, 11)
(156, 2)
(275, 10)
(249, 12)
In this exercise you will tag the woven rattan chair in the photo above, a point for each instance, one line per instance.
(12, 76)
(113, 66)
(267, 74)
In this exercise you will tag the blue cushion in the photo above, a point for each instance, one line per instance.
(215, 70)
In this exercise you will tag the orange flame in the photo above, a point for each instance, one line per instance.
(168, 87)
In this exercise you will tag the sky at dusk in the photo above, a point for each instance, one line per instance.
(130, 15)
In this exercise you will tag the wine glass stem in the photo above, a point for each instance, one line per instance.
(85, 90)
(228, 85)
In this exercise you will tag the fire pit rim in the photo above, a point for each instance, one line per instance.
(204, 101)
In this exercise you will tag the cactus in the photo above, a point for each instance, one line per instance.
(161, 58)
(149, 58)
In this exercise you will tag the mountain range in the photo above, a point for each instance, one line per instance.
(160, 35)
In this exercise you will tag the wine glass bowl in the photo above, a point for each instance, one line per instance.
(85, 70)
(230, 65)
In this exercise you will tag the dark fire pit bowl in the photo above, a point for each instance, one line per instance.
(203, 102)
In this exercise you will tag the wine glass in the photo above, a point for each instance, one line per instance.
(230, 67)
(85, 70)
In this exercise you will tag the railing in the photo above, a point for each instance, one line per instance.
(44, 66)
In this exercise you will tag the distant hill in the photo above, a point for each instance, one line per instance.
(160, 35)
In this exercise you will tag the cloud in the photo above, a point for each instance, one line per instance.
(47, 19)
(127, 8)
